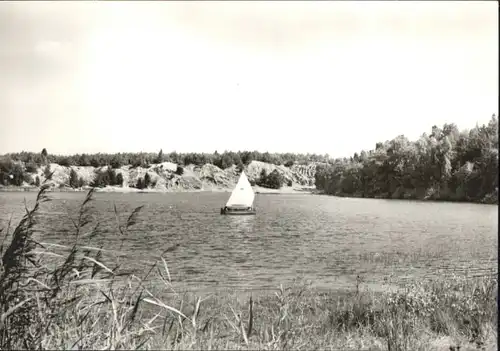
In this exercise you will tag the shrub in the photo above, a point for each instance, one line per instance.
(179, 170)
(116, 162)
(140, 162)
(272, 181)
(12, 173)
(140, 184)
(84, 160)
(31, 167)
(73, 179)
(6, 164)
(65, 161)
(18, 175)
(262, 177)
(111, 176)
(159, 158)
(107, 177)
(147, 180)
(240, 167)
(101, 179)
(119, 179)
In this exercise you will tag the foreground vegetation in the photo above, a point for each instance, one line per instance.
(53, 297)
(445, 165)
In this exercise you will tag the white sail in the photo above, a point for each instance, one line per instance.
(242, 195)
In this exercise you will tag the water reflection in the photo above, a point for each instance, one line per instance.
(240, 224)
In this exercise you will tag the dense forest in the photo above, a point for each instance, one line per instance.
(221, 160)
(447, 164)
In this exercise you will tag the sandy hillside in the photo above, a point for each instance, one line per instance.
(194, 178)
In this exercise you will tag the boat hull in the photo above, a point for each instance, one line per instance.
(237, 212)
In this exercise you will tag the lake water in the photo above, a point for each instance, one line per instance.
(326, 240)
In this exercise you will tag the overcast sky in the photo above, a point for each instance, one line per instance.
(325, 77)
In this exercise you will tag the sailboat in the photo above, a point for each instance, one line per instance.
(241, 200)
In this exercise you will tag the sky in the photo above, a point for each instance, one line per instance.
(320, 77)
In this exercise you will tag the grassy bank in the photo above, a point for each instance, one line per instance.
(55, 297)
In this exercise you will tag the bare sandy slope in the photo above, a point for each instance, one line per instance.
(165, 179)
(257, 189)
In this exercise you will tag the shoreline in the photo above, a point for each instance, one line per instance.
(258, 190)
(357, 196)
(116, 189)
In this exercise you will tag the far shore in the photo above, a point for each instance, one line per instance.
(294, 190)
(116, 189)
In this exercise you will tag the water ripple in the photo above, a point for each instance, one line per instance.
(327, 240)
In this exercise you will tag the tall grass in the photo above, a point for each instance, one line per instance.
(55, 297)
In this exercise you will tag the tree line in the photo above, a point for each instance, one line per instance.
(446, 164)
(222, 160)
